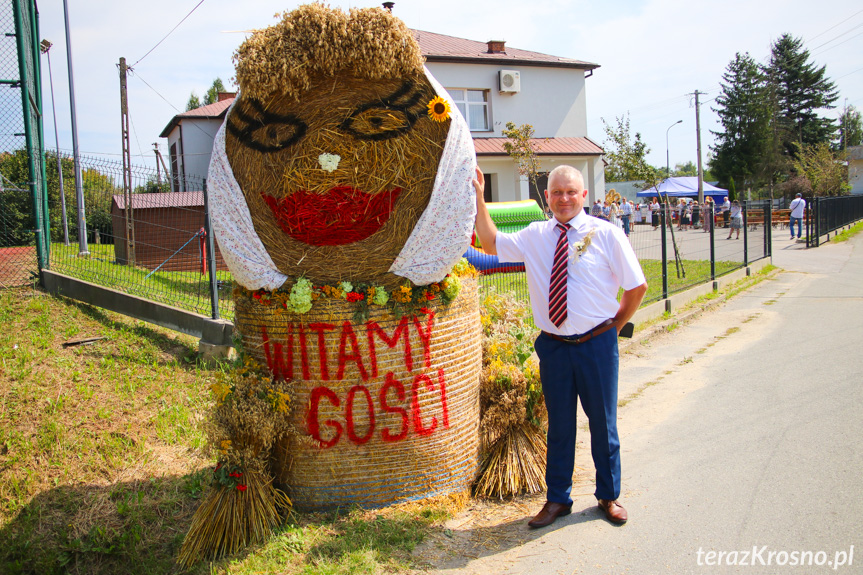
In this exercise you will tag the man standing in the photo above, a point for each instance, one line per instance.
(798, 207)
(626, 216)
(596, 209)
(726, 211)
(575, 266)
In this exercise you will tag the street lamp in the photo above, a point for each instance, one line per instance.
(667, 167)
(45, 47)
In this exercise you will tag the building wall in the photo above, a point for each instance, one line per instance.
(552, 100)
(159, 233)
(197, 147)
(855, 176)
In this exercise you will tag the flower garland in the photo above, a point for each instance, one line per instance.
(406, 298)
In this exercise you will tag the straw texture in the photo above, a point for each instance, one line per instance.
(389, 408)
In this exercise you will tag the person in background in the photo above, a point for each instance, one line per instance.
(798, 209)
(696, 214)
(736, 219)
(686, 215)
(725, 210)
(654, 213)
(708, 214)
(626, 215)
(574, 303)
(596, 209)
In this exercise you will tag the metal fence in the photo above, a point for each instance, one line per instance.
(673, 255)
(830, 214)
(150, 241)
(21, 173)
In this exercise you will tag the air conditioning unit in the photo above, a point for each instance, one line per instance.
(510, 81)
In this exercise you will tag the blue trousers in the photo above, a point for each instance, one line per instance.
(799, 221)
(625, 220)
(587, 371)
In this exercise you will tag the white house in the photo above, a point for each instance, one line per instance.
(855, 169)
(492, 85)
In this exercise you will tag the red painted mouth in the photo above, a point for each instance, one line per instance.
(343, 215)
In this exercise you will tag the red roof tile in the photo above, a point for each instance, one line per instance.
(543, 146)
(441, 48)
(213, 111)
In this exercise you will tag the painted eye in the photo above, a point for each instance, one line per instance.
(265, 131)
(388, 117)
(377, 123)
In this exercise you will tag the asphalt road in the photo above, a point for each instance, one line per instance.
(740, 440)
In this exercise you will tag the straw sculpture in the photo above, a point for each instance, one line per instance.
(357, 386)
(353, 87)
(512, 439)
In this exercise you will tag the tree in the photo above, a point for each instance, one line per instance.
(194, 102)
(626, 157)
(850, 129)
(742, 106)
(687, 169)
(801, 89)
(520, 147)
(826, 173)
(212, 95)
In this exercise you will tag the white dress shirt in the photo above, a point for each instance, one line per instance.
(593, 280)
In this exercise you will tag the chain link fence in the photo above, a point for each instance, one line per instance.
(150, 241)
(19, 130)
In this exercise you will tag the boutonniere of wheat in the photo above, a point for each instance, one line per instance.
(578, 249)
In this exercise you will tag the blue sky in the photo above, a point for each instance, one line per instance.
(653, 55)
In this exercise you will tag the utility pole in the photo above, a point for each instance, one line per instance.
(83, 250)
(127, 166)
(160, 160)
(698, 140)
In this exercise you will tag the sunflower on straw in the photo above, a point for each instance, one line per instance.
(438, 109)
(242, 507)
(512, 410)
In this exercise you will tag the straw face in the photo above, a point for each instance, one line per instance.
(389, 407)
(349, 217)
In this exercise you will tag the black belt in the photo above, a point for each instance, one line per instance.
(574, 340)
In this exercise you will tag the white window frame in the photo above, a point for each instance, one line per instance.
(461, 99)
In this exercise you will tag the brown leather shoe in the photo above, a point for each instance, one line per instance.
(614, 511)
(550, 512)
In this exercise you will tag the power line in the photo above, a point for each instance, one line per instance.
(168, 34)
(834, 26)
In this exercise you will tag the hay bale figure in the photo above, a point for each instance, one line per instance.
(341, 197)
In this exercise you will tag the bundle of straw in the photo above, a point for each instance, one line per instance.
(230, 519)
(513, 450)
(514, 464)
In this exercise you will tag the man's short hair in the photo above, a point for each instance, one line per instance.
(565, 170)
(799, 195)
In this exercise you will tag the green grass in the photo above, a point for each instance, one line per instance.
(849, 233)
(697, 272)
(187, 290)
(101, 466)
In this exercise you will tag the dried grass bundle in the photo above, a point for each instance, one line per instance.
(511, 402)
(230, 519)
(315, 40)
(242, 506)
(513, 464)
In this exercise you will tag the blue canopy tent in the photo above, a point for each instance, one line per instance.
(683, 187)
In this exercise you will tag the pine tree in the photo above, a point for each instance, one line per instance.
(850, 129)
(194, 102)
(743, 109)
(801, 90)
(212, 95)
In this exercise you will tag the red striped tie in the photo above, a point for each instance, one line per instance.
(557, 286)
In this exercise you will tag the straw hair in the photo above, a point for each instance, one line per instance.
(375, 472)
(315, 41)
